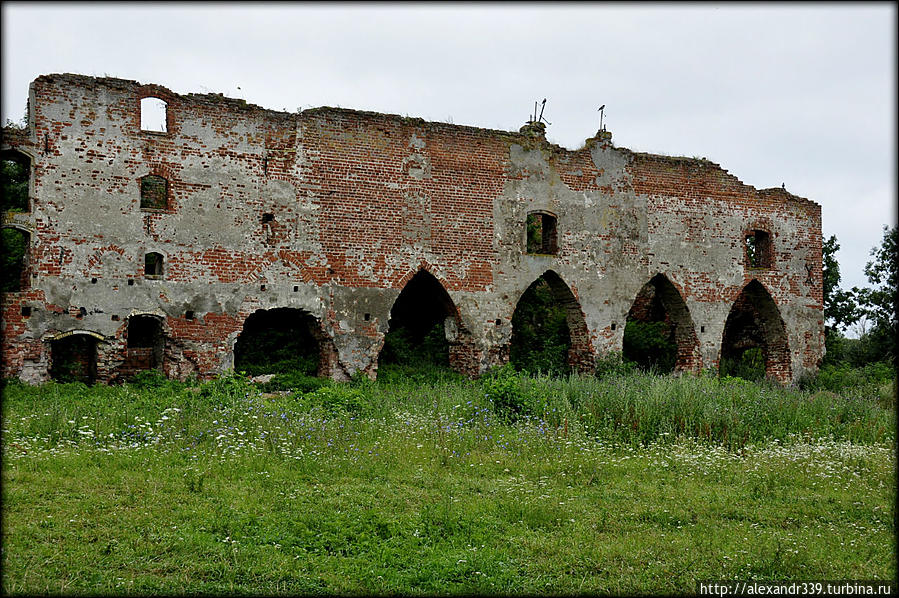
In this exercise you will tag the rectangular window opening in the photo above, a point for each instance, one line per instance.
(154, 192)
(153, 115)
(541, 234)
(759, 252)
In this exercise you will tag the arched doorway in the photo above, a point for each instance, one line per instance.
(549, 332)
(755, 337)
(16, 244)
(15, 178)
(145, 344)
(417, 330)
(280, 340)
(659, 333)
(73, 357)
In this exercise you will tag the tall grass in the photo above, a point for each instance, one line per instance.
(425, 481)
(630, 408)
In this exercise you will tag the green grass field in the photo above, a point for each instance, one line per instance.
(430, 483)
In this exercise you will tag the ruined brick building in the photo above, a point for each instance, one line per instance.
(152, 248)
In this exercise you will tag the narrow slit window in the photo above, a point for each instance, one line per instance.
(541, 233)
(153, 115)
(154, 192)
(153, 265)
(759, 253)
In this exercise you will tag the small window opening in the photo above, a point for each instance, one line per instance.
(367, 317)
(16, 173)
(153, 265)
(262, 287)
(295, 289)
(266, 218)
(189, 315)
(613, 325)
(154, 193)
(130, 282)
(26, 311)
(541, 233)
(93, 281)
(702, 329)
(115, 318)
(153, 115)
(758, 249)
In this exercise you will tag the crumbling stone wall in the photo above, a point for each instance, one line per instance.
(331, 211)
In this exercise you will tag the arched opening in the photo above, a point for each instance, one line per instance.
(755, 338)
(154, 193)
(549, 333)
(153, 115)
(73, 358)
(659, 334)
(280, 340)
(417, 330)
(16, 244)
(15, 177)
(145, 344)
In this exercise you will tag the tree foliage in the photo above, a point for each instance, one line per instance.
(879, 303)
(540, 334)
(651, 345)
(14, 185)
(14, 245)
(276, 341)
(840, 307)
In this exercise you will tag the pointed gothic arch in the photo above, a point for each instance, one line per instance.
(660, 305)
(547, 315)
(754, 322)
(425, 324)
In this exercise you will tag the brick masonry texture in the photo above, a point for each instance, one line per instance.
(331, 211)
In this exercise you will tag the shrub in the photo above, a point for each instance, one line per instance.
(297, 380)
(505, 389)
(146, 379)
(613, 364)
(650, 345)
(749, 366)
(339, 398)
(401, 349)
(540, 335)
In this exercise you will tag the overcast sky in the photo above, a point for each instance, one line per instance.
(800, 94)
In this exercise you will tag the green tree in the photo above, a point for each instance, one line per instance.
(840, 308)
(879, 302)
(13, 185)
(540, 335)
(15, 244)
